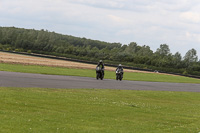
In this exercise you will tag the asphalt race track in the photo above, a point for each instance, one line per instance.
(14, 79)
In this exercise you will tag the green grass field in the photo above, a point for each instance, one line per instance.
(153, 77)
(37, 110)
(25, 110)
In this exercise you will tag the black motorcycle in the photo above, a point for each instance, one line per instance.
(119, 74)
(99, 73)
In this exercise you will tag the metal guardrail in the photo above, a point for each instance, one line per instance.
(94, 63)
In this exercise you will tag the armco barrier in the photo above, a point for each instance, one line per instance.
(95, 63)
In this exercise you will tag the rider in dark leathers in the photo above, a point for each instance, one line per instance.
(120, 68)
(101, 65)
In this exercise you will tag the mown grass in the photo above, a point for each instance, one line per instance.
(153, 77)
(37, 110)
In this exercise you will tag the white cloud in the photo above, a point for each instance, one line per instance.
(193, 36)
(118, 20)
(149, 22)
(124, 32)
(191, 17)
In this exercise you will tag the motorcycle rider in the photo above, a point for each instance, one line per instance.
(101, 65)
(120, 68)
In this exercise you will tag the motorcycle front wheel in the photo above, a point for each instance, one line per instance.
(97, 77)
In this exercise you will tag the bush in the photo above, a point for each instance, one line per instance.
(29, 51)
(185, 73)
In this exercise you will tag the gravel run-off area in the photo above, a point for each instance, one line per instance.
(32, 60)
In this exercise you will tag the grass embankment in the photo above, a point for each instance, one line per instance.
(153, 77)
(25, 110)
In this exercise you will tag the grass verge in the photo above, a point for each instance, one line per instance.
(153, 77)
(25, 110)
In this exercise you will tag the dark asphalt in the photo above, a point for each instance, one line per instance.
(14, 79)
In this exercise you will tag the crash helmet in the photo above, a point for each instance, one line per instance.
(100, 61)
(120, 65)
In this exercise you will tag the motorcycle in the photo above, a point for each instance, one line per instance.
(99, 73)
(119, 74)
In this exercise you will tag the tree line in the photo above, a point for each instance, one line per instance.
(45, 42)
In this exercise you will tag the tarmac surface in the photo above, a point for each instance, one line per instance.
(15, 79)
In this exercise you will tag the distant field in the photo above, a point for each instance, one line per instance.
(29, 64)
(153, 77)
(31, 60)
(36, 110)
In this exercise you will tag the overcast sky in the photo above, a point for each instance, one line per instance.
(146, 22)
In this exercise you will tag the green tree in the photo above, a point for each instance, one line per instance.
(145, 51)
(191, 56)
(163, 50)
(177, 60)
(132, 48)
